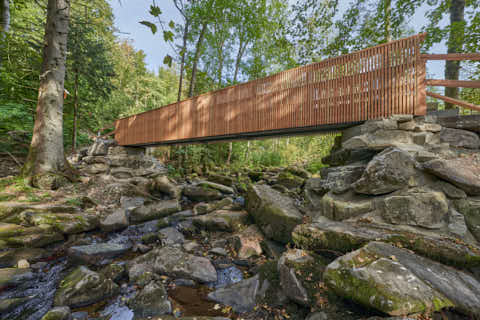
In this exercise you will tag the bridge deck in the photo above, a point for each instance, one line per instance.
(325, 96)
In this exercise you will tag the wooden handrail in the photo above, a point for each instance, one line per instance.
(453, 83)
(452, 56)
(454, 101)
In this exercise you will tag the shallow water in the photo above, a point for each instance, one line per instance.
(40, 290)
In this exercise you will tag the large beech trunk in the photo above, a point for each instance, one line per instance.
(46, 163)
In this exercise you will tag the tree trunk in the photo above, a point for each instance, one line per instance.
(75, 113)
(388, 15)
(230, 151)
(182, 62)
(198, 47)
(4, 17)
(46, 166)
(241, 49)
(220, 65)
(455, 44)
(248, 151)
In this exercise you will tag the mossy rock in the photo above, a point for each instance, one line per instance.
(58, 313)
(290, 180)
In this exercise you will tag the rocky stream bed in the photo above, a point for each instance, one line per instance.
(390, 230)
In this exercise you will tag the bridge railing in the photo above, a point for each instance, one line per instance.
(371, 83)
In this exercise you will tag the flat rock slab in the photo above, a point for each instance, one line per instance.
(14, 236)
(345, 237)
(462, 172)
(65, 223)
(11, 257)
(154, 211)
(217, 186)
(222, 220)
(173, 262)
(94, 254)
(14, 276)
(273, 212)
(398, 282)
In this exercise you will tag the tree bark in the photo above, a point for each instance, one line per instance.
(4, 17)
(241, 49)
(198, 47)
(182, 62)
(388, 15)
(75, 113)
(230, 152)
(455, 44)
(46, 166)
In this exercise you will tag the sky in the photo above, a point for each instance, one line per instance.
(128, 14)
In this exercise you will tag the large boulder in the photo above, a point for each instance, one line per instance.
(172, 261)
(336, 179)
(117, 220)
(470, 209)
(344, 237)
(14, 276)
(344, 206)
(390, 170)
(398, 282)
(301, 276)
(273, 212)
(154, 211)
(463, 172)
(66, 223)
(248, 243)
(164, 185)
(151, 301)
(222, 220)
(83, 287)
(58, 313)
(198, 193)
(10, 258)
(416, 207)
(100, 147)
(290, 180)
(94, 254)
(460, 138)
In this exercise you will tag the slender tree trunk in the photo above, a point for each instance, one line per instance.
(241, 50)
(75, 113)
(455, 44)
(230, 151)
(220, 65)
(388, 15)
(182, 62)
(4, 17)
(198, 48)
(46, 165)
(248, 150)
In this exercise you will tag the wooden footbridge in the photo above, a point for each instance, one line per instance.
(325, 96)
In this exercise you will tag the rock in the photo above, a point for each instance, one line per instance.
(460, 138)
(318, 316)
(390, 170)
(80, 315)
(191, 246)
(416, 207)
(241, 296)
(419, 126)
(215, 186)
(220, 179)
(10, 209)
(154, 211)
(450, 190)
(97, 168)
(114, 150)
(121, 173)
(456, 224)
(398, 282)
(10, 304)
(14, 276)
(383, 282)
(289, 180)
(301, 276)
(11, 258)
(171, 261)
(58, 313)
(345, 237)
(190, 318)
(222, 220)
(197, 193)
(470, 208)
(164, 185)
(171, 236)
(218, 251)
(461, 172)
(346, 157)
(23, 264)
(247, 243)
(152, 301)
(337, 179)
(13, 235)
(94, 254)
(379, 140)
(272, 249)
(100, 147)
(115, 221)
(114, 271)
(203, 207)
(83, 287)
(65, 223)
(344, 206)
(273, 212)
(299, 172)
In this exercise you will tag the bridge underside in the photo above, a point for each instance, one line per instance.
(288, 132)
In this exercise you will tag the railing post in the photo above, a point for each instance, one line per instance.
(421, 91)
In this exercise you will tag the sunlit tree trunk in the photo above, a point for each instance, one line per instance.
(455, 44)
(182, 61)
(388, 15)
(196, 57)
(46, 165)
